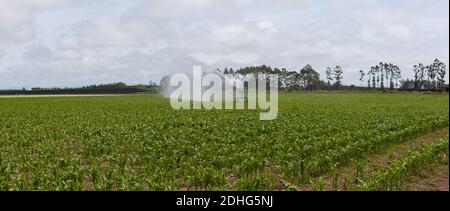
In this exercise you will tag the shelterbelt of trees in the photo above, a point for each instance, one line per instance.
(383, 76)
(111, 88)
(305, 79)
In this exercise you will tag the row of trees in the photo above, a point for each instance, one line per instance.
(386, 75)
(110, 88)
(383, 76)
(430, 77)
(306, 78)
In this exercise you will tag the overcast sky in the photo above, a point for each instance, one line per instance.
(48, 43)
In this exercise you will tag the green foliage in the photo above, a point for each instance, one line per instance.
(306, 78)
(391, 176)
(138, 142)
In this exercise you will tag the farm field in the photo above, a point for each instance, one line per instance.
(138, 142)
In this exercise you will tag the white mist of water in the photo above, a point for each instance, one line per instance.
(229, 84)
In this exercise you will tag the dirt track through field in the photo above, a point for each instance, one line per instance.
(435, 180)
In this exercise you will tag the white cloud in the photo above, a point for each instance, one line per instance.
(76, 42)
(16, 17)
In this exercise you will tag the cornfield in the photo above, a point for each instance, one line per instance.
(138, 142)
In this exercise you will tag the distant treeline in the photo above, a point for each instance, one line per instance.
(381, 77)
(112, 88)
(427, 78)
(307, 78)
